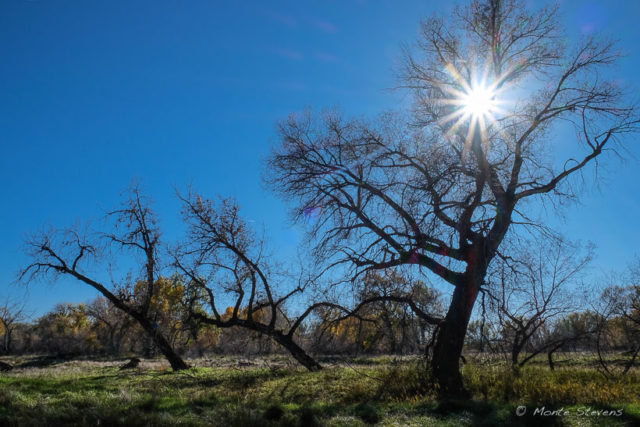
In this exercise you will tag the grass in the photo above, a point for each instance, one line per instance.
(272, 393)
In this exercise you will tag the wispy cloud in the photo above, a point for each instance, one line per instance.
(325, 26)
(286, 20)
(292, 54)
(326, 57)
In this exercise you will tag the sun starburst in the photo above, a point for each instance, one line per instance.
(473, 101)
(479, 102)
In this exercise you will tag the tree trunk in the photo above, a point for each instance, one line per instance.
(391, 335)
(297, 352)
(515, 353)
(550, 354)
(112, 340)
(7, 340)
(163, 346)
(445, 363)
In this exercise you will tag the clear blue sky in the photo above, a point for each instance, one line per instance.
(94, 94)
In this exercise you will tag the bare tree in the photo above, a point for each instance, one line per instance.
(619, 327)
(441, 187)
(528, 295)
(135, 233)
(225, 260)
(572, 332)
(12, 312)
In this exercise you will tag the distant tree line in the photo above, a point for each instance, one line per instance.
(99, 328)
(520, 318)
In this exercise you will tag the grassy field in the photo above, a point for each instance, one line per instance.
(237, 392)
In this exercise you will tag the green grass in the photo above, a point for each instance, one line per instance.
(364, 392)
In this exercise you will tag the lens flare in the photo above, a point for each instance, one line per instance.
(479, 102)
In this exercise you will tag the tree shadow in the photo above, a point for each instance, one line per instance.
(46, 361)
(485, 414)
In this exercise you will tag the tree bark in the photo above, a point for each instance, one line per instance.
(445, 363)
(515, 352)
(297, 352)
(163, 345)
(285, 340)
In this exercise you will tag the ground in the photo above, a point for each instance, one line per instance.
(236, 391)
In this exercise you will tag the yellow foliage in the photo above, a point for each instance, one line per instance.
(262, 315)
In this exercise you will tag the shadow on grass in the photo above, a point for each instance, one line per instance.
(483, 414)
(45, 361)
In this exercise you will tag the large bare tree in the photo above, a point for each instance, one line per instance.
(135, 233)
(225, 264)
(441, 186)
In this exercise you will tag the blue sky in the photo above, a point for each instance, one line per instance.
(96, 94)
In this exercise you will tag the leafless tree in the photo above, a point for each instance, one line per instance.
(528, 295)
(619, 327)
(442, 186)
(223, 258)
(574, 331)
(12, 312)
(134, 233)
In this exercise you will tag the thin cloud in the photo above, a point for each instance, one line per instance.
(286, 20)
(326, 57)
(292, 54)
(325, 26)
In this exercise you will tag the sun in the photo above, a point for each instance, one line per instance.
(478, 102)
(474, 101)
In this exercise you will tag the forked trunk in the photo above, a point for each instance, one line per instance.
(445, 362)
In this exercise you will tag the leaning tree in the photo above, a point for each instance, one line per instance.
(441, 185)
(134, 233)
(225, 265)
